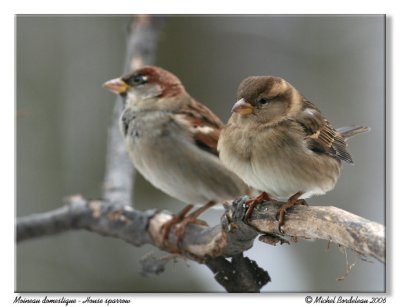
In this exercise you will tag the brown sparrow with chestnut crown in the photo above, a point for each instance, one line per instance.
(279, 142)
(172, 141)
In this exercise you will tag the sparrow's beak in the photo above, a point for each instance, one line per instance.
(116, 86)
(242, 107)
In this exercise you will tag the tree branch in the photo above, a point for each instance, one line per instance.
(325, 223)
(141, 49)
(199, 243)
(240, 271)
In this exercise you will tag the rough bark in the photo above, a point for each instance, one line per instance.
(230, 238)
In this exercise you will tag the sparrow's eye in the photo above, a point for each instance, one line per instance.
(263, 101)
(138, 80)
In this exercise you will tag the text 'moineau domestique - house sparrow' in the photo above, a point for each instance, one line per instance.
(172, 140)
(279, 142)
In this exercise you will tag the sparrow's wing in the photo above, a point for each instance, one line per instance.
(321, 137)
(204, 125)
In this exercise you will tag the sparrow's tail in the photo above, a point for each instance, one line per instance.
(348, 132)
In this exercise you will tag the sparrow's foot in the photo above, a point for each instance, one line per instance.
(181, 227)
(192, 219)
(293, 200)
(166, 227)
(181, 220)
(253, 202)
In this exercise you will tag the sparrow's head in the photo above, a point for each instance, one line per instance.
(266, 99)
(148, 88)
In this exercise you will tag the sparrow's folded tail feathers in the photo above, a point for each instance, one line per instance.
(348, 132)
(321, 136)
(331, 141)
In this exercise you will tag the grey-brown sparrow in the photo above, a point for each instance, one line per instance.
(172, 141)
(279, 142)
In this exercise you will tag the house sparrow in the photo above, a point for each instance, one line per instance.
(279, 142)
(172, 141)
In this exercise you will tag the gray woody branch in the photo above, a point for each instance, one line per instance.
(201, 243)
(141, 46)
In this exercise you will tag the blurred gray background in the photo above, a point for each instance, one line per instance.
(63, 115)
